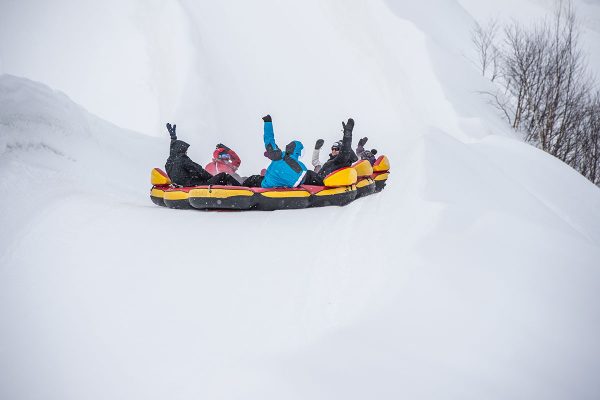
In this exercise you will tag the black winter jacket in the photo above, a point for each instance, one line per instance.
(181, 169)
(346, 156)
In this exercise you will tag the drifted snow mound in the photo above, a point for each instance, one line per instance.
(474, 274)
(51, 148)
(44, 127)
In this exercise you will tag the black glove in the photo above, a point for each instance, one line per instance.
(171, 130)
(222, 146)
(363, 141)
(348, 126)
(319, 144)
(267, 118)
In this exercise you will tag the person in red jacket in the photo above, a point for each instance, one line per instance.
(224, 160)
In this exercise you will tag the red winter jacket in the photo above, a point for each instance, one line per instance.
(218, 165)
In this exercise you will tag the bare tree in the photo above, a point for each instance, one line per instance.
(588, 160)
(483, 39)
(544, 88)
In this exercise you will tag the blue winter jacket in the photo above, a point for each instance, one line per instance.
(285, 169)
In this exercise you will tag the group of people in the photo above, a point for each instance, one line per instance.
(285, 170)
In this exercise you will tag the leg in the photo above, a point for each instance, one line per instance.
(237, 177)
(223, 179)
(196, 182)
(231, 181)
(253, 181)
(312, 178)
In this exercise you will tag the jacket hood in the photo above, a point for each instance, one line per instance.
(179, 147)
(294, 149)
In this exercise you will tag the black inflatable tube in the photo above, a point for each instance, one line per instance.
(379, 185)
(159, 201)
(258, 201)
(365, 190)
(282, 203)
(230, 203)
(339, 199)
(183, 204)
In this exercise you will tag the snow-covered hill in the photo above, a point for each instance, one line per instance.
(473, 275)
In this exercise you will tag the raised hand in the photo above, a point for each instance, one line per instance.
(172, 131)
(348, 126)
(319, 144)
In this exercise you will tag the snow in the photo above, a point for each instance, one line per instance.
(474, 274)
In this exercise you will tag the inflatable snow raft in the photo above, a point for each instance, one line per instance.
(341, 187)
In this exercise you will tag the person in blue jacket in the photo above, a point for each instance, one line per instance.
(285, 170)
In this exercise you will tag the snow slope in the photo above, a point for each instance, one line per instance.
(473, 275)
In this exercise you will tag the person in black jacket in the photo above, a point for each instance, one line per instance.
(337, 159)
(184, 172)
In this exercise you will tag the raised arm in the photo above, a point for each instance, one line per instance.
(172, 131)
(316, 153)
(273, 151)
(347, 139)
(360, 149)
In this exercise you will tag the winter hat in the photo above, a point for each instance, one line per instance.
(337, 145)
(373, 151)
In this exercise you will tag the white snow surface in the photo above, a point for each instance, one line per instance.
(475, 274)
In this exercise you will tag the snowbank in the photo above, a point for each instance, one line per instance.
(472, 274)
